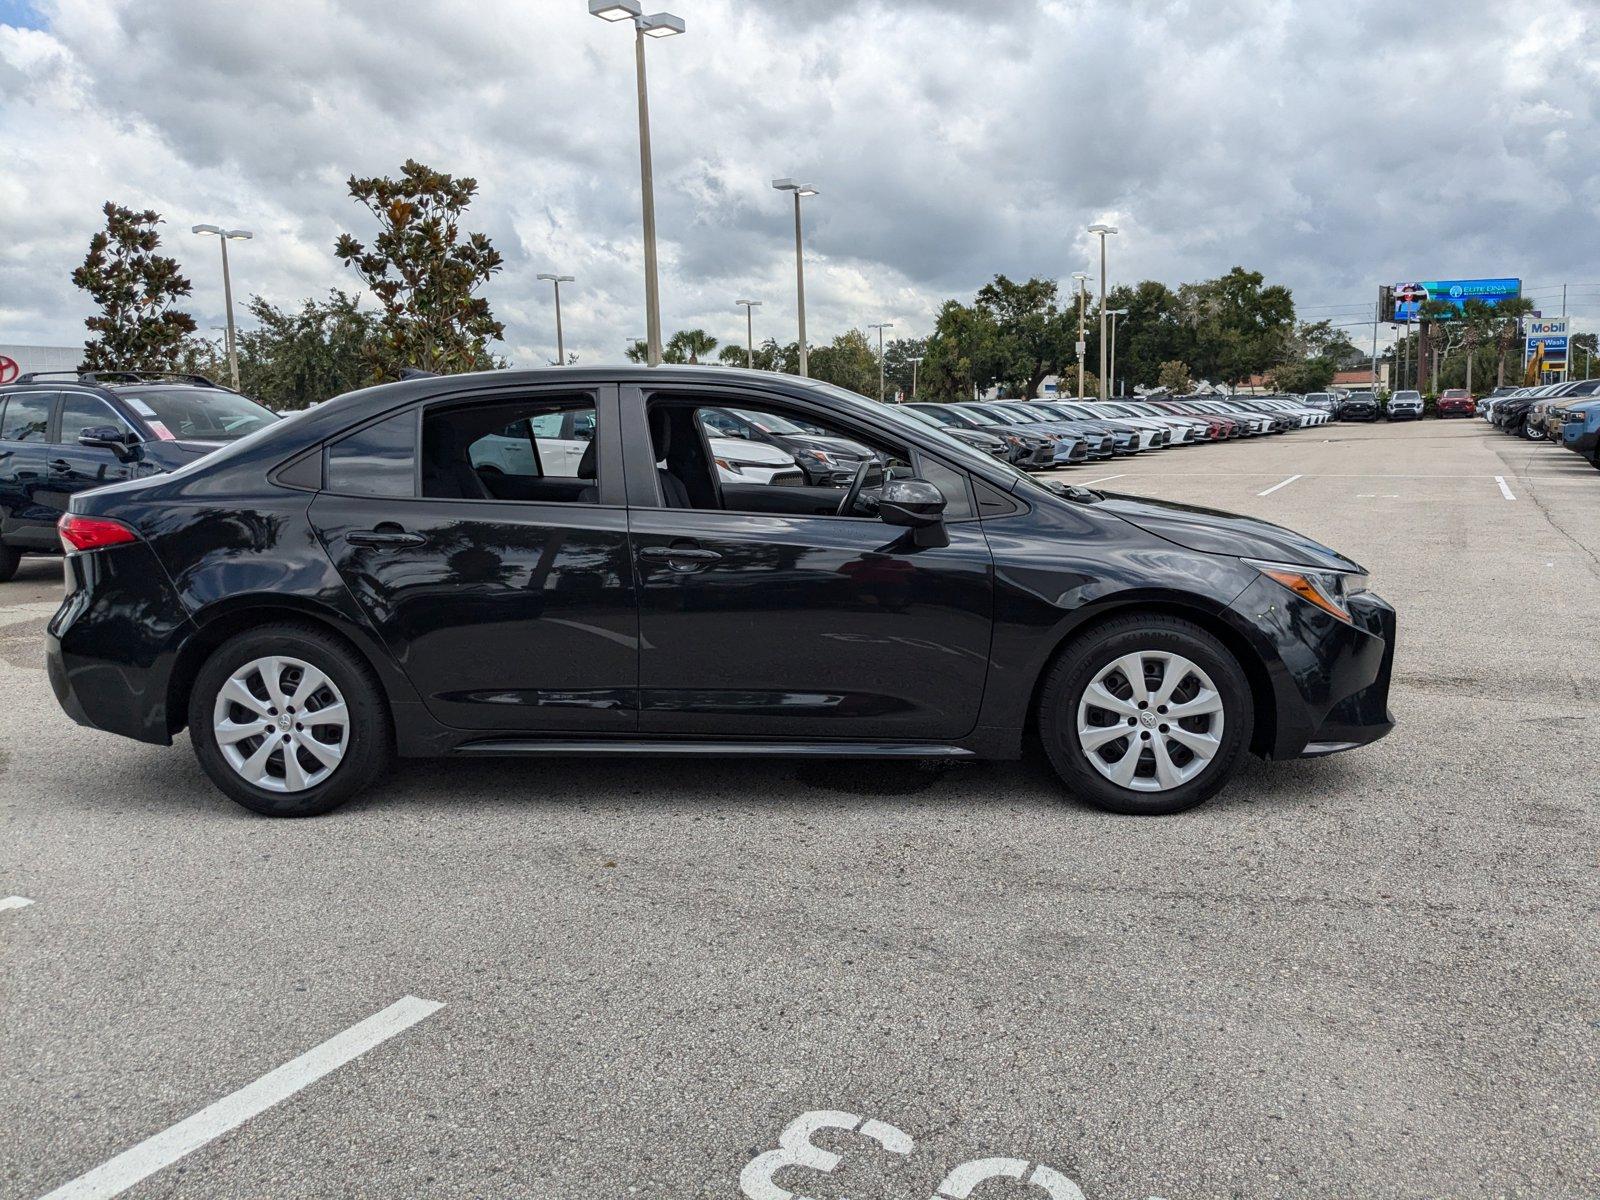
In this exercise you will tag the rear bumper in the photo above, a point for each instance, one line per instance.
(111, 646)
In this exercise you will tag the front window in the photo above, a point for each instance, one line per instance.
(199, 414)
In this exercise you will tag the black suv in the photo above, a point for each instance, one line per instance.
(347, 585)
(1359, 406)
(62, 436)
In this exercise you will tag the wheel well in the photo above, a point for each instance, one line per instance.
(1265, 732)
(214, 633)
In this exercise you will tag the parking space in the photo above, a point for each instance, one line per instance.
(1366, 975)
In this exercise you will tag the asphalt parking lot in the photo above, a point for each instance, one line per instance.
(1372, 975)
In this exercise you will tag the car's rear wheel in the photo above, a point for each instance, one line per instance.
(288, 722)
(1147, 714)
(9, 559)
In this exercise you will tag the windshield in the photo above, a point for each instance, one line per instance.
(1410, 395)
(201, 414)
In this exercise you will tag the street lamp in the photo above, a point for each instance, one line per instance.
(1114, 314)
(656, 25)
(880, 329)
(749, 332)
(1083, 344)
(915, 363)
(1102, 230)
(561, 345)
(799, 190)
(223, 236)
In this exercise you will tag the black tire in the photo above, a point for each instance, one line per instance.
(1086, 657)
(370, 748)
(9, 559)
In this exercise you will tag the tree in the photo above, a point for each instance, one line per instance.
(1239, 325)
(764, 357)
(135, 289)
(423, 273)
(1152, 333)
(848, 362)
(687, 345)
(1174, 377)
(296, 358)
(1032, 338)
(897, 369)
(1303, 375)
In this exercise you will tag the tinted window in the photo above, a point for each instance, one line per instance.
(380, 460)
(86, 412)
(953, 483)
(204, 414)
(27, 417)
(537, 450)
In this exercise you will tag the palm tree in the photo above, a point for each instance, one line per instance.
(687, 345)
(1508, 323)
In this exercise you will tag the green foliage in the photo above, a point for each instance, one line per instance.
(1303, 375)
(296, 358)
(897, 356)
(1174, 376)
(688, 346)
(1239, 325)
(423, 273)
(848, 362)
(134, 288)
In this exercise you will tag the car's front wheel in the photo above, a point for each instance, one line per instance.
(1147, 714)
(288, 722)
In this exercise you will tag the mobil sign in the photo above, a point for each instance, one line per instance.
(1548, 334)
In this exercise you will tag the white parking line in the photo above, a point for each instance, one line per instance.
(14, 902)
(187, 1136)
(1284, 484)
(1105, 479)
(1504, 490)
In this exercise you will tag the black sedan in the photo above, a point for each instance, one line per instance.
(345, 586)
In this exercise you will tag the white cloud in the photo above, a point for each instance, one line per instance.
(1331, 146)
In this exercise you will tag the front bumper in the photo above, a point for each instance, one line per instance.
(1330, 678)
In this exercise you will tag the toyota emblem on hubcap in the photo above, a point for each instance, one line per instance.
(1147, 718)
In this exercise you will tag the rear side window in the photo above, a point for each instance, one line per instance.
(27, 417)
(380, 460)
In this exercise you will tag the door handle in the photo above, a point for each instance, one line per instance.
(387, 534)
(680, 556)
(60, 464)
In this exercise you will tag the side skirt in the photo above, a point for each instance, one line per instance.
(587, 747)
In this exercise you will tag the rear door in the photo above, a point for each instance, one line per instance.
(27, 518)
(506, 595)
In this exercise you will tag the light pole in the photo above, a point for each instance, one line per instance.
(1083, 345)
(1113, 314)
(880, 329)
(1102, 230)
(223, 236)
(657, 25)
(561, 344)
(749, 332)
(917, 362)
(799, 190)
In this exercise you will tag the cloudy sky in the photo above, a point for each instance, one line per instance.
(1333, 146)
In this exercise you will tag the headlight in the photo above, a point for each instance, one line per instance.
(1328, 590)
(821, 456)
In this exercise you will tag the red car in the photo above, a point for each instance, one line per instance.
(1456, 402)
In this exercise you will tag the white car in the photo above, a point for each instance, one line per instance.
(563, 437)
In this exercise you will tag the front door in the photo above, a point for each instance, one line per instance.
(75, 468)
(504, 590)
(765, 614)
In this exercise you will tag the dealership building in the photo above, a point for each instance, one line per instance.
(19, 360)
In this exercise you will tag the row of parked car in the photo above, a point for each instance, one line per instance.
(1042, 434)
(1562, 414)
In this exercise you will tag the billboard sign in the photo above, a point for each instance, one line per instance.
(1546, 343)
(1409, 297)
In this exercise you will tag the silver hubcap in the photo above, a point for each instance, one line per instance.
(281, 724)
(1150, 721)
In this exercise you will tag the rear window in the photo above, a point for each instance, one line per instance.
(200, 414)
(380, 460)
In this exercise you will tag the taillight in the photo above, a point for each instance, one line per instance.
(92, 533)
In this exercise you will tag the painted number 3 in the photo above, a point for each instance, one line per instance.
(795, 1149)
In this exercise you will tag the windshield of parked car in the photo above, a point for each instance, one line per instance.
(203, 414)
(1410, 395)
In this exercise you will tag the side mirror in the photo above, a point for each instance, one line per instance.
(109, 437)
(911, 503)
